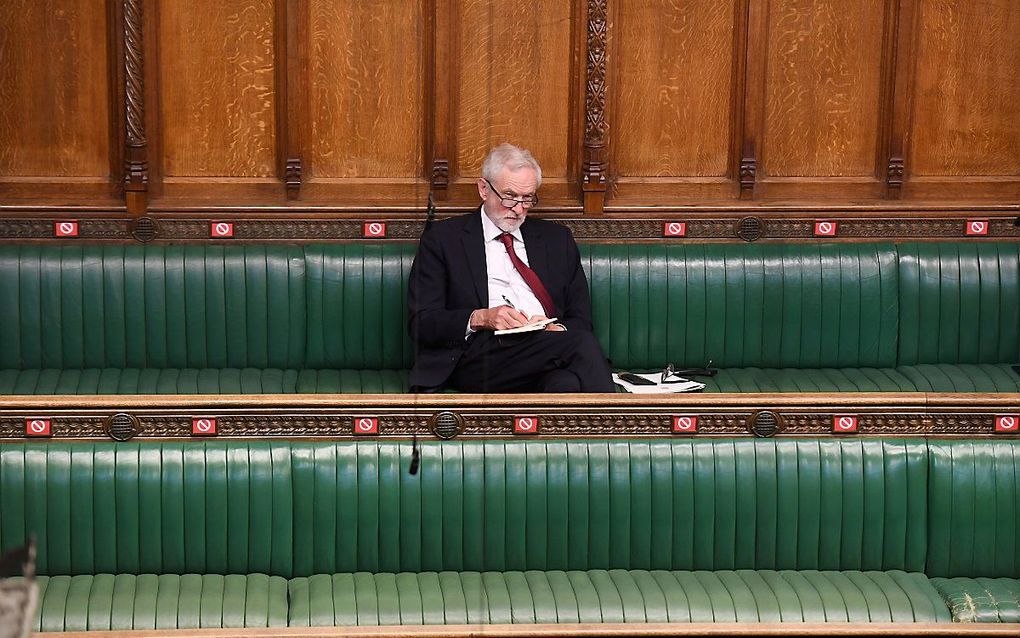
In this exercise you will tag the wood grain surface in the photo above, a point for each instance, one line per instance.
(966, 119)
(671, 95)
(822, 87)
(54, 89)
(216, 80)
(367, 88)
(513, 81)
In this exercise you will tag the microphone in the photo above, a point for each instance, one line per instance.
(415, 457)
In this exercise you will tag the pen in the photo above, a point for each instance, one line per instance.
(510, 303)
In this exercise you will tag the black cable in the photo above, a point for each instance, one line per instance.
(415, 456)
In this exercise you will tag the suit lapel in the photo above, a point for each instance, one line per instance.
(474, 250)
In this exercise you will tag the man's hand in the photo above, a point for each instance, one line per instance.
(498, 318)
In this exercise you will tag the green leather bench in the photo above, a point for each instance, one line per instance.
(146, 319)
(299, 533)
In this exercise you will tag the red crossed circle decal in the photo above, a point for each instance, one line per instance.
(977, 226)
(1007, 423)
(526, 425)
(844, 423)
(685, 423)
(825, 229)
(366, 425)
(203, 426)
(37, 427)
(375, 229)
(66, 229)
(674, 229)
(222, 229)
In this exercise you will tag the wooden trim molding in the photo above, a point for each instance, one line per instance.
(136, 167)
(401, 416)
(593, 180)
(732, 227)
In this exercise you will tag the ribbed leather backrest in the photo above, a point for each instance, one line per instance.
(793, 305)
(144, 508)
(959, 303)
(974, 491)
(151, 306)
(357, 305)
(323, 507)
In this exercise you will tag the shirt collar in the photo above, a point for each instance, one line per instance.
(491, 231)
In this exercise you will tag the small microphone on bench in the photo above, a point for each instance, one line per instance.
(415, 456)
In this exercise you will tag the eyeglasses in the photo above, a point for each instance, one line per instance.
(672, 375)
(509, 202)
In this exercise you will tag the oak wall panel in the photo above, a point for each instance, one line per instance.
(513, 82)
(822, 88)
(217, 95)
(966, 116)
(55, 94)
(670, 113)
(367, 89)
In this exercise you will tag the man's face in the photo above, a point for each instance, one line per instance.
(519, 184)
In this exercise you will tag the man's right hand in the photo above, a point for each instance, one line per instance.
(497, 318)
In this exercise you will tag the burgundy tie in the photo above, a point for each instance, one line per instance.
(529, 276)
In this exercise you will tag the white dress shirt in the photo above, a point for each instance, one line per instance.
(503, 278)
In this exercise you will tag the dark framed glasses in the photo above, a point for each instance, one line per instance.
(526, 202)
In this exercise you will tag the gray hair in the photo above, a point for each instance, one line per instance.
(509, 156)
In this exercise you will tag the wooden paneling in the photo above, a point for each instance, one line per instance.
(966, 118)
(217, 95)
(367, 88)
(513, 83)
(672, 88)
(54, 93)
(822, 88)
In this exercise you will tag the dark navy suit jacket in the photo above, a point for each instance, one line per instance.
(449, 280)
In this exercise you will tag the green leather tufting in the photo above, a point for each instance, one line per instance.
(151, 306)
(794, 305)
(959, 303)
(93, 319)
(974, 491)
(614, 596)
(981, 599)
(105, 602)
(328, 507)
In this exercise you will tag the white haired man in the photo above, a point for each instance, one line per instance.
(496, 269)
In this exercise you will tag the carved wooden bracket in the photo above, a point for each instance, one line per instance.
(136, 167)
(440, 174)
(593, 180)
(894, 177)
(748, 171)
(292, 177)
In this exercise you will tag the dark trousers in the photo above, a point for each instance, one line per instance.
(544, 361)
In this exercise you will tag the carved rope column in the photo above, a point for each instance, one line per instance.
(136, 167)
(593, 181)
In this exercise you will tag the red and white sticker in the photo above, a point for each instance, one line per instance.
(844, 423)
(674, 229)
(1009, 423)
(685, 423)
(203, 426)
(221, 229)
(65, 228)
(525, 425)
(977, 227)
(825, 228)
(375, 229)
(366, 425)
(37, 427)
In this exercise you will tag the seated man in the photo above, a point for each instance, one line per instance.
(495, 269)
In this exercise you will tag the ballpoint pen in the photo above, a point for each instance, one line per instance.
(509, 303)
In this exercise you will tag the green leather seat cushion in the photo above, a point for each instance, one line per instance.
(613, 596)
(201, 381)
(166, 601)
(981, 599)
(986, 377)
